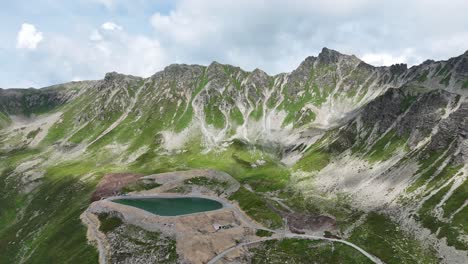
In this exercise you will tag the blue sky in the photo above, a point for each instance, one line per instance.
(46, 42)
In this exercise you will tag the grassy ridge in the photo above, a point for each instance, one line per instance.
(380, 236)
(4, 120)
(47, 229)
(385, 147)
(43, 225)
(454, 231)
(256, 207)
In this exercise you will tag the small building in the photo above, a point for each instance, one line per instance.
(218, 226)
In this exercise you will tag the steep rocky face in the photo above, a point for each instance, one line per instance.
(35, 101)
(404, 153)
(450, 75)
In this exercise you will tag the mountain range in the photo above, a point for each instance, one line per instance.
(336, 136)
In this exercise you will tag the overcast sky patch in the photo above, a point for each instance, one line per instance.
(88, 38)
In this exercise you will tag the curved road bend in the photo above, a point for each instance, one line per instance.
(284, 234)
(292, 235)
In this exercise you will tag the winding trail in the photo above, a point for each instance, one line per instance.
(292, 235)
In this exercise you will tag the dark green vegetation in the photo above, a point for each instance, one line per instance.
(457, 200)
(338, 207)
(214, 116)
(432, 175)
(385, 147)
(305, 251)
(316, 157)
(314, 160)
(427, 167)
(204, 181)
(385, 240)
(46, 210)
(27, 102)
(109, 222)
(47, 216)
(132, 244)
(465, 85)
(235, 160)
(256, 207)
(423, 76)
(314, 93)
(33, 133)
(263, 233)
(212, 184)
(4, 120)
(172, 206)
(445, 81)
(453, 231)
(140, 185)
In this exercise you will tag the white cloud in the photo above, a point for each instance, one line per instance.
(95, 36)
(383, 59)
(276, 36)
(408, 56)
(91, 58)
(111, 26)
(28, 37)
(273, 35)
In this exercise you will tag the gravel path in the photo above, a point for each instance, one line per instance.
(292, 235)
(95, 235)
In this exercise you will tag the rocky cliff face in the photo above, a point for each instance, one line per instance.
(35, 101)
(393, 138)
(403, 153)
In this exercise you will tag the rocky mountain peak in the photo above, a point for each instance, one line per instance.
(330, 56)
(115, 76)
(215, 69)
(258, 72)
(118, 77)
(179, 70)
(115, 80)
(216, 66)
(307, 63)
(398, 68)
(112, 75)
(428, 62)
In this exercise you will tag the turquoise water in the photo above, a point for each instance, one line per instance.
(172, 206)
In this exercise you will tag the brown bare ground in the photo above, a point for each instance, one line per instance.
(111, 184)
(301, 222)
